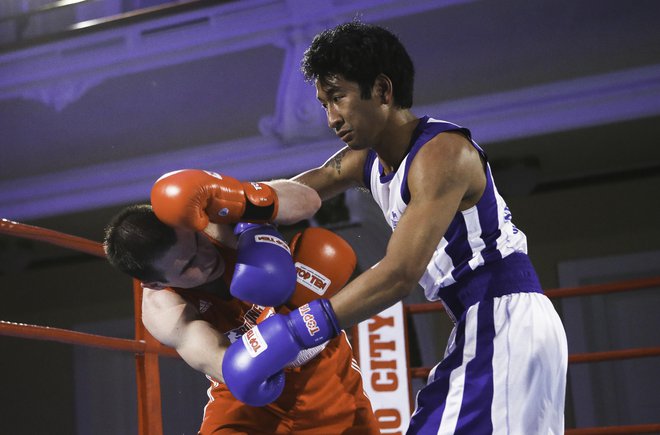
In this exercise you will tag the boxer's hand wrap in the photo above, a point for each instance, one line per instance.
(252, 366)
(190, 198)
(264, 272)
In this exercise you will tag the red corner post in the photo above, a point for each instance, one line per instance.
(150, 417)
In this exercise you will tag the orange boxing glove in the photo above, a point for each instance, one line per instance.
(324, 263)
(190, 198)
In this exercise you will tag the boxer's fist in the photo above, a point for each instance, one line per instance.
(264, 272)
(252, 366)
(324, 263)
(190, 198)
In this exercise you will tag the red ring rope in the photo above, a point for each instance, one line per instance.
(146, 348)
(53, 237)
(35, 332)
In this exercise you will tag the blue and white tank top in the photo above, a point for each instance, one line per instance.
(478, 236)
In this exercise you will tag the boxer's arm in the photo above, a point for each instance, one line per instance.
(297, 201)
(339, 173)
(445, 177)
(175, 323)
(300, 197)
(191, 198)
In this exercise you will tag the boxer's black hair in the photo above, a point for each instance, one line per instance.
(360, 52)
(134, 239)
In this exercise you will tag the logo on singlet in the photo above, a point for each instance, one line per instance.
(204, 306)
(394, 218)
(232, 335)
(249, 320)
(507, 218)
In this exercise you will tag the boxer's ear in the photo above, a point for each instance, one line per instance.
(383, 89)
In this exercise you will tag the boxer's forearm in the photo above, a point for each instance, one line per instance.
(297, 201)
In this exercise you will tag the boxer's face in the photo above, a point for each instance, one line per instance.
(357, 122)
(192, 261)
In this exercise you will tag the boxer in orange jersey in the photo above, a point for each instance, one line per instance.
(186, 277)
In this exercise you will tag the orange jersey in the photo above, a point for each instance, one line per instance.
(324, 396)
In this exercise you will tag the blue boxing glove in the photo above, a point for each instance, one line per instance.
(252, 366)
(313, 323)
(265, 273)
